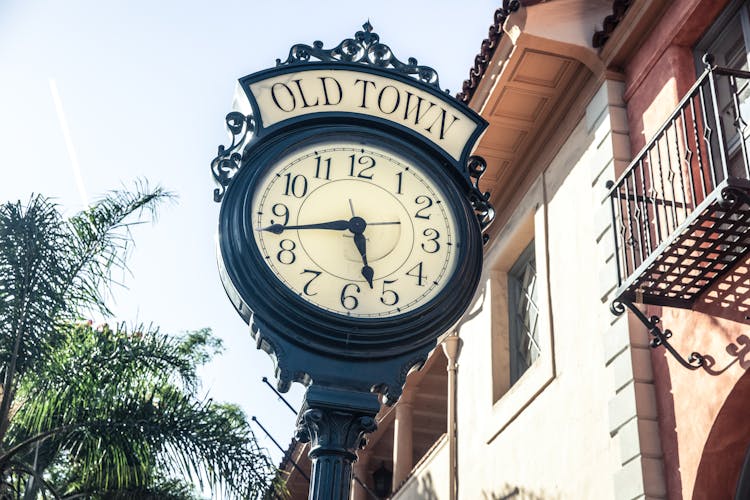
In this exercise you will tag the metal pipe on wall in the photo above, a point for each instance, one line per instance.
(451, 347)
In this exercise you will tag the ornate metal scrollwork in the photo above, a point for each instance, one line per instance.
(364, 48)
(228, 159)
(731, 195)
(660, 337)
(334, 430)
(284, 376)
(391, 392)
(480, 201)
(617, 308)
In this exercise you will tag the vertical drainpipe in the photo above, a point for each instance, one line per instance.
(451, 346)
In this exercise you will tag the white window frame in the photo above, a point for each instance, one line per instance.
(517, 331)
(717, 32)
(505, 400)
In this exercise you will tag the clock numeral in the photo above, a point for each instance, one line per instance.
(400, 176)
(286, 255)
(392, 297)
(416, 272)
(349, 302)
(423, 200)
(296, 186)
(306, 288)
(432, 236)
(326, 166)
(280, 210)
(367, 161)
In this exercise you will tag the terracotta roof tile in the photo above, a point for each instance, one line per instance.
(489, 44)
(487, 49)
(619, 7)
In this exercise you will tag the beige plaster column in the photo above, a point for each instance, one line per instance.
(451, 347)
(402, 440)
(360, 469)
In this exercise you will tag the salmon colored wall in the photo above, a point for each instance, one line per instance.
(696, 408)
(663, 68)
(654, 98)
(703, 424)
(726, 444)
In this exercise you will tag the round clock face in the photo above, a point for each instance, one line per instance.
(355, 229)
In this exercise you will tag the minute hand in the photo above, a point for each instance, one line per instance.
(336, 225)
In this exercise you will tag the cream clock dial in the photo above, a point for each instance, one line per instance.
(355, 229)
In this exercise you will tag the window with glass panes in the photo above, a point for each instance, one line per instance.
(523, 310)
(728, 41)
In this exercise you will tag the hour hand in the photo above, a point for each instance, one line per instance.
(361, 242)
(336, 225)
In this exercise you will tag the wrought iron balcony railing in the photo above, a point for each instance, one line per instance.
(681, 210)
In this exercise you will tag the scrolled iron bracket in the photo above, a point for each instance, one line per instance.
(480, 201)
(660, 337)
(731, 195)
(365, 48)
(229, 158)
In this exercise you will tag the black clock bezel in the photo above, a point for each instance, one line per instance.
(257, 292)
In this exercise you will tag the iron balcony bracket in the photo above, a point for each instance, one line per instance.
(660, 337)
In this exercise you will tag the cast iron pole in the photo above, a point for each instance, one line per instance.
(335, 422)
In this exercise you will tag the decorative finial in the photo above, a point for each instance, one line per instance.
(364, 48)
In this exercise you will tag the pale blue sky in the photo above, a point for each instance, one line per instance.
(145, 86)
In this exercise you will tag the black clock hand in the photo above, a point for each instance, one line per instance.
(336, 225)
(361, 242)
(357, 227)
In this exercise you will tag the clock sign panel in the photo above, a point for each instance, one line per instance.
(355, 229)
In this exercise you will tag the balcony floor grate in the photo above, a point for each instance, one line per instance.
(714, 237)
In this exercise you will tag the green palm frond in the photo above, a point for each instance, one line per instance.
(102, 240)
(159, 489)
(103, 413)
(209, 443)
(103, 357)
(32, 276)
(129, 409)
(52, 269)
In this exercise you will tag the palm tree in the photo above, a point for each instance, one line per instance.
(100, 412)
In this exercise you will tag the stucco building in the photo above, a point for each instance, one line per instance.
(618, 166)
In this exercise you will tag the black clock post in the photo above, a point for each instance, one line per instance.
(335, 422)
(322, 135)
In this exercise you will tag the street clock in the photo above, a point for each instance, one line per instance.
(350, 230)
